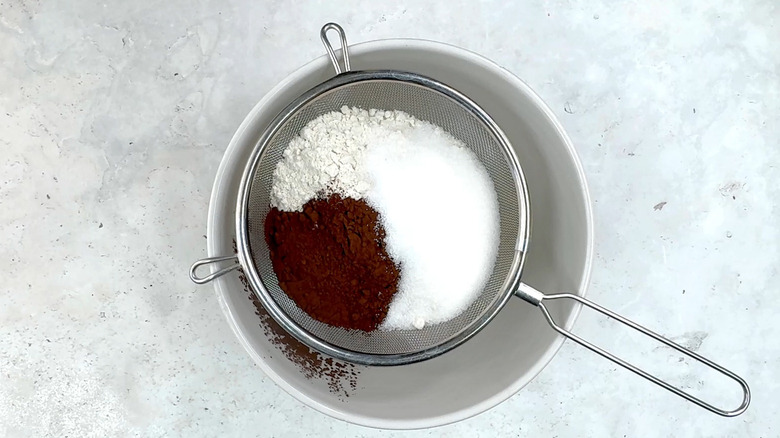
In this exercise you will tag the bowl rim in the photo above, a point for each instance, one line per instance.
(221, 287)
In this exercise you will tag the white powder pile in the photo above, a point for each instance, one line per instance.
(436, 202)
(326, 156)
(440, 214)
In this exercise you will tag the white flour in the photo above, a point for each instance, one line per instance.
(326, 157)
(436, 202)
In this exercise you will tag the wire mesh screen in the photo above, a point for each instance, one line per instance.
(425, 104)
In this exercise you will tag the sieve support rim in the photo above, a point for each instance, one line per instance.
(209, 260)
(329, 47)
(537, 298)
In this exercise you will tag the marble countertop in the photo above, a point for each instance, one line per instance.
(114, 117)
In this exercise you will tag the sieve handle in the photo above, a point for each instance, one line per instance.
(329, 47)
(207, 261)
(537, 298)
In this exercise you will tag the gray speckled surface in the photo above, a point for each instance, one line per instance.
(113, 119)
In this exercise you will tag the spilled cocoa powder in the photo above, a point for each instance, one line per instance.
(341, 377)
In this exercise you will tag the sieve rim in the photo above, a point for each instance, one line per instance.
(509, 285)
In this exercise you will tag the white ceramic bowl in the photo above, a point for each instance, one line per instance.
(502, 358)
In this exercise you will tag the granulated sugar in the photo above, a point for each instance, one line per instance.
(440, 214)
(437, 203)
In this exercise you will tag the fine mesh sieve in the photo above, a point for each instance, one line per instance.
(429, 100)
(426, 100)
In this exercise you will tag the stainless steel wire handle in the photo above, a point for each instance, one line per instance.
(207, 261)
(537, 298)
(329, 47)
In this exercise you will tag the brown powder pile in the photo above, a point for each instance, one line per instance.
(331, 260)
(341, 377)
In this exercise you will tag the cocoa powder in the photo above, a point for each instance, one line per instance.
(331, 260)
(340, 377)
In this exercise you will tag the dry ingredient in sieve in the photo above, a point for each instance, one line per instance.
(327, 156)
(340, 377)
(436, 202)
(331, 260)
(440, 213)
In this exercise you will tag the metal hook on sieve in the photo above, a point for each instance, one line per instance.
(207, 261)
(537, 298)
(329, 47)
